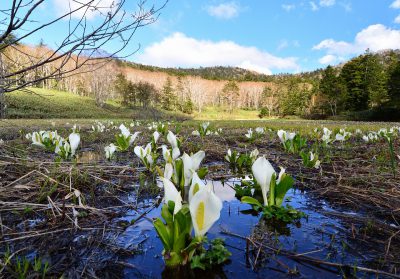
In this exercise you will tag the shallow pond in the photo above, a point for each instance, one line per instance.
(319, 236)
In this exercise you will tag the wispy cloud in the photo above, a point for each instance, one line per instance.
(328, 59)
(314, 7)
(326, 3)
(346, 6)
(288, 7)
(395, 4)
(397, 19)
(226, 10)
(374, 37)
(179, 50)
(285, 44)
(84, 7)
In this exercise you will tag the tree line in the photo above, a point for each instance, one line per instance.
(367, 83)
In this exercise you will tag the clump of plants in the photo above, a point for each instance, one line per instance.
(273, 191)
(200, 211)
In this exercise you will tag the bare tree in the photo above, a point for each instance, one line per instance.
(83, 39)
(271, 100)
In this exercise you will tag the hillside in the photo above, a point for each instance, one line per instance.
(44, 103)
(220, 73)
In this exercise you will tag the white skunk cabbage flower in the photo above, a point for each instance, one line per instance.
(196, 133)
(172, 194)
(173, 141)
(168, 171)
(74, 140)
(260, 130)
(141, 152)
(197, 185)
(263, 172)
(205, 209)
(317, 163)
(124, 131)
(254, 154)
(191, 164)
(205, 125)
(285, 136)
(110, 150)
(37, 139)
(249, 134)
(156, 136)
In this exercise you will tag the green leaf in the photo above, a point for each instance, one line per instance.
(251, 201)
(166, 214)
(272, 191)
(197, 263)
(202, 172)
(163, 233)
(281, 189)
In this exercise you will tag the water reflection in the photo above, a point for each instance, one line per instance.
(320, 233)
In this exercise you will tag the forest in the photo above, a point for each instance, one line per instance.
(365, 88)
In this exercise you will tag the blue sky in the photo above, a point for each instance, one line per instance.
(269, 36)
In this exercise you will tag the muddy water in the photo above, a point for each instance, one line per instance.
(320, 236)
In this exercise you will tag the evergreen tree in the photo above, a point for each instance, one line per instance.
(375, 80)
(394, 86)
(332, 88)
(354, 76)
(169, 100)
(144, 92)
(122, 87)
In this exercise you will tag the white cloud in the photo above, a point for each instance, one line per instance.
(283, 44)
(326, 3)
(314, 7)
(328, 59)
(288, 7)
(374, 37)
(397, 19)
(335, 47)
(179, 50)
(85, 7)
(346, 6)
(395, 4)
(224, 11)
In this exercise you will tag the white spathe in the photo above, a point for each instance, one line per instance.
(263, 172)
(124, 131)
(170, 191)
(191, 164)
(205, 208)
(110, 150)
(197, 185)
(74, 140)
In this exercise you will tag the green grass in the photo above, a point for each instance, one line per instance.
(44, 103)
(220, 113)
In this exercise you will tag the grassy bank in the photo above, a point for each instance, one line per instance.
(218, 113)
(45, 104)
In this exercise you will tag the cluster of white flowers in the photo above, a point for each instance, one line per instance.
(371, 137)
(205, 130)
(343, 135)
(326, 135)
(65, 147)
(98, 127)
(260, 130)
(285, 136)
(314, 160)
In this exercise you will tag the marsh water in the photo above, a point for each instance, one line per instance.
(319, 235)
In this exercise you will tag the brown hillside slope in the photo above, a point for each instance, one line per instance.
(202, 91)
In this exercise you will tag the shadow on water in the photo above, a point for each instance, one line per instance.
(319, 236)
